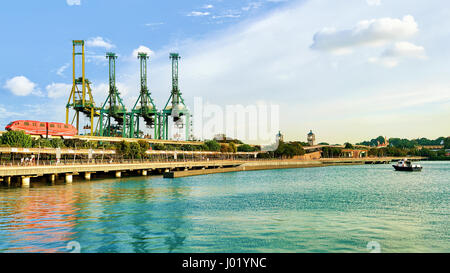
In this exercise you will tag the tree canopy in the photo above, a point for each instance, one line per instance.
(17, 139)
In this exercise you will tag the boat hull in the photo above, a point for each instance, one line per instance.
(407, 169)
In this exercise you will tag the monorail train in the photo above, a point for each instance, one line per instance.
(32, 127)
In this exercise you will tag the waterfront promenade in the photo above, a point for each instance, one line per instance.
(24, 175)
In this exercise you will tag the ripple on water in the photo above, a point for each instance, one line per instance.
(334, 209)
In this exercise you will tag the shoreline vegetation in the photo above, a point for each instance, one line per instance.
(395, 147)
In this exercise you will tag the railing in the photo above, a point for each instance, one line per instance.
(64, 162)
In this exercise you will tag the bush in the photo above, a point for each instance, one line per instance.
(245, 148)
(225, 148)
(42, 142)
(212, 145)
(17, 139)
(447, 143)
(135, 150)
(158, 147)
(233, 147)
(144, 147)
(123, 148)
(57, 143)
(348, 145)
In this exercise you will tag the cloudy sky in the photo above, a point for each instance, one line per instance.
(349, 70)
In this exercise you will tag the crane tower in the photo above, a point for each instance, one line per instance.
(113, 110)
(80, 98)
(175, 106)
(144, 107)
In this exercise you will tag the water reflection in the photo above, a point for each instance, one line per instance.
(176, 221)
(335, 209)
(128, 215)
(44, 217)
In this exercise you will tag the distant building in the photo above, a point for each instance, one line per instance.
(385, 144)
(280, 137)
(221, 137)
(354, 153)
(311, 137)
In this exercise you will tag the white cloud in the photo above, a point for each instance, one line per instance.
(398, 51)
(73, 2)
(270, 58)
(208, 6)
(252, 5)
(99, 42)
(154, 24)
(22, 86)
(142, 49)
(5, 113)
(198, 13)
(405, 49)
(375, 32)
(373, 2)
(58, 90)
(61, 70)
(96, 59)
(100, 92)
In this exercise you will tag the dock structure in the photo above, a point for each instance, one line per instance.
(257, 165)
(24, 175)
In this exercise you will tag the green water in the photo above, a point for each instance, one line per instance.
(332, 209)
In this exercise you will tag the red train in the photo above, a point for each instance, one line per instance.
(32, 127)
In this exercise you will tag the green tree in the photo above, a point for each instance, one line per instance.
(233, 147)
(348, 145)
(123, 148)
(57, 143)
(158, 147)
(245, 148)
(144, 147)
(225, 148)
(447, 143)
(212, 145)
(42, 142)
(187, 147)
(135, 150)
(17, 139)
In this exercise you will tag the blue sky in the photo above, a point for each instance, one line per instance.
(349, 70)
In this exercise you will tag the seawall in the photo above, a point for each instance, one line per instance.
(285, 164)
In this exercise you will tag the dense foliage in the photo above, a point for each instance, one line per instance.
(16, 139)
(348, 145)
(212, 145)
(405, 152)
(289, 150)
(330, 152)
(405, 143)
(246, 148)
(134, 150)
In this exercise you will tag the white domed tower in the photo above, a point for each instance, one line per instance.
(280, 137)
(311, 137)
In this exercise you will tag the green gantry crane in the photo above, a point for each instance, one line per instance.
(175, 106)
(113, 109)
(144, 107)
(80, 98)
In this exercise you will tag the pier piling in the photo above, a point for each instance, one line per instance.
(26, 181)
(87, 176)
(69, 178)
(52, 178)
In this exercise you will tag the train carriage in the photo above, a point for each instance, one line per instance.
(32, 127)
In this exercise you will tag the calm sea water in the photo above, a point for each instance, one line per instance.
(333, 209)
